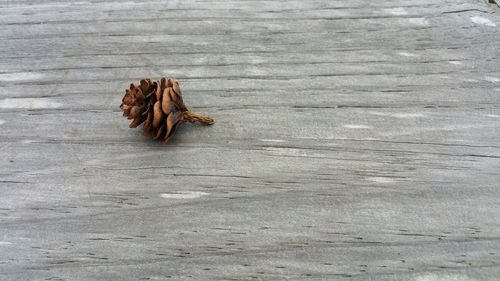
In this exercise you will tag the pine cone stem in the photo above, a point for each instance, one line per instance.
(197, 117)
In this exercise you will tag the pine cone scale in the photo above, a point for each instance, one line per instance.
(157, 114)
(165, 103)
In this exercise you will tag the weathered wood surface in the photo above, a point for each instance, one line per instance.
(355, 140)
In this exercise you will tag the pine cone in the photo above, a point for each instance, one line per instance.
(159, 106)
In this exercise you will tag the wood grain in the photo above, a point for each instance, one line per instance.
(354, 140)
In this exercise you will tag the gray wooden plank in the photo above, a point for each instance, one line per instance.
(354, 140)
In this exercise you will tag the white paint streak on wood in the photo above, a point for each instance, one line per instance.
(183, 195)
(407, 54)
(272, 140)
(443, 276)
(402, 115)
(492, 79)
(29, 103)
(381, 179)
(482, 21)
(396, 11)
(286, 151)
(420, 22)
(21, 76)
(407, 115)
(356, 126)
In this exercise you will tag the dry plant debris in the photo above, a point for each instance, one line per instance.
(159, 105)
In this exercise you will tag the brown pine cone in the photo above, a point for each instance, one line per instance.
(159, 106)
